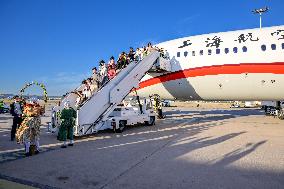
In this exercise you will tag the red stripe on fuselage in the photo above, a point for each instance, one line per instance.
(274, 68)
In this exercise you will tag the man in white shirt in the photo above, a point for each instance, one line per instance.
(16, 111)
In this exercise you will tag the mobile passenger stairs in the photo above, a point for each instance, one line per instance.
(101, 111)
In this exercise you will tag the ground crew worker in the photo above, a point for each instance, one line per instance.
(158, 107)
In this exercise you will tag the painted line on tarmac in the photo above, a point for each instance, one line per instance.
(143, 159)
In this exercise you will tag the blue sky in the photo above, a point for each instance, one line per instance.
(57, 42)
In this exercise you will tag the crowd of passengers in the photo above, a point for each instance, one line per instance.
(108, 71)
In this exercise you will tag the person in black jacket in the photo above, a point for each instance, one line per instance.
(131, 54)
(16, 109)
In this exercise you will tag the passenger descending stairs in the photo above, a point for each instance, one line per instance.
(92, 115)
(71, 98)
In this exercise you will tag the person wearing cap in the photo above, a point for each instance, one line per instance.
(111, 61)
(122, 61)
(111, 68)
(16, 109)
(102, 72)
(131, 54)
(68, 116)
(95, 81)
(149, 48)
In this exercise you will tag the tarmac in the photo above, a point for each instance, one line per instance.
(190, 148)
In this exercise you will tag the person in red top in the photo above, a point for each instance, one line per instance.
(111, 68)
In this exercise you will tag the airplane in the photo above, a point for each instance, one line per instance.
(235, 65)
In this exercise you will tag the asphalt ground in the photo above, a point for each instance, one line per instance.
(190, 148)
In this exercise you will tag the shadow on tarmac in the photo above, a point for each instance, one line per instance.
(173, 141)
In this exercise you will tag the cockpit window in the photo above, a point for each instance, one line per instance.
(185, 53)
(209, 51)
(226, 50)
(217, 51)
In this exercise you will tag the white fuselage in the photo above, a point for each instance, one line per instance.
(237, 65)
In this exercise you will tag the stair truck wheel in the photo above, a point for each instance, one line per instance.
(121, 126)
(151, 122)
(268, 110)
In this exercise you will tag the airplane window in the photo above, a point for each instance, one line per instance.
(217, 51)
(185, 53)
(282, 45)
(226, 50)
(263, 47)
(178, 54)
(193, 53)
(273, 47)
(235, 49)
(245, 49)
(201, 52)
(209, 51)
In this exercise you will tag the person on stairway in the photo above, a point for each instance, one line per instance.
(111, 68)
(131, 54)
(121, 62)
(149, 48)
(138, 54)
(144, 52)
(86, 88)
(95, 80)
(80, 98)
(103, 78)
